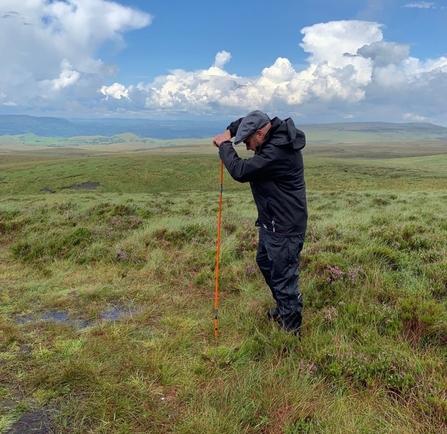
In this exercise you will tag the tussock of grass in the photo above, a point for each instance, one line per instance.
(373, 345)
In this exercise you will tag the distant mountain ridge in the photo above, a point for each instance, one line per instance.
(163, 129)
(58, 127)
(382, 126)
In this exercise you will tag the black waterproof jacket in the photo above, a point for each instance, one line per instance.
(276, 176)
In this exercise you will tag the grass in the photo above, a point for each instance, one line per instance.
(164, 172)
(106, 301)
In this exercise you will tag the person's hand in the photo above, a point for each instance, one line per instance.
(222, 138)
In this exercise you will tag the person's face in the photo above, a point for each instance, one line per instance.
(253, 141)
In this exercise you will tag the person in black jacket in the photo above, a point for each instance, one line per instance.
(276, 176)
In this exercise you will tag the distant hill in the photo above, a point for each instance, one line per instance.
(40, 126)
(375, 127)
(55, 127)
(13, 125)
(374, 131)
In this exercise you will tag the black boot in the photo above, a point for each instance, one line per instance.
(273, 314)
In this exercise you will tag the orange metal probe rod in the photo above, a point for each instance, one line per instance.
(219, 221)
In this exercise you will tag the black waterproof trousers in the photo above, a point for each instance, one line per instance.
(278, 259)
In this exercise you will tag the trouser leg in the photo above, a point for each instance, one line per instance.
(278, 259)
(264, 262)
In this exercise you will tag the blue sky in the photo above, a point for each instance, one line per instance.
(314, 60)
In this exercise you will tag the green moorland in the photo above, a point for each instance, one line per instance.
(106, 295)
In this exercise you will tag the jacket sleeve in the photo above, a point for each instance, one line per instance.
(257, 167)
(234, 126)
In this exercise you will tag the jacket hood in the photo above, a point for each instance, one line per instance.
(284, 132)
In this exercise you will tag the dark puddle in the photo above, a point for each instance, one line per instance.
(39, 421)
(85, 186)
(48, 190)
(116, 313)
(111, 314)
(57, 317)
(34, 422)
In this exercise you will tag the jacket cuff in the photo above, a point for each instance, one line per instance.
(226, 143)
(234, 126)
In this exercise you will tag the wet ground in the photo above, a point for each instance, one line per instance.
(38, 421)
(112, 313)
(83, 186)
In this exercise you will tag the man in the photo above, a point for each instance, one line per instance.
(276, 176)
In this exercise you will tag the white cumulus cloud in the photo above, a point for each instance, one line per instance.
(116, 91)
(335, 72)
(52, 46)
(352, 71)
(221, 59)
(67, 77)
(341, 62)
(384, 53)
(414, 117)
(421, 5)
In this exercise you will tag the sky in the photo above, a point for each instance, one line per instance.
(317, 61)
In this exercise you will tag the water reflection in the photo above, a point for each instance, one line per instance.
(111, 314)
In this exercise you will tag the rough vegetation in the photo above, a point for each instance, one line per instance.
(106, 300)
